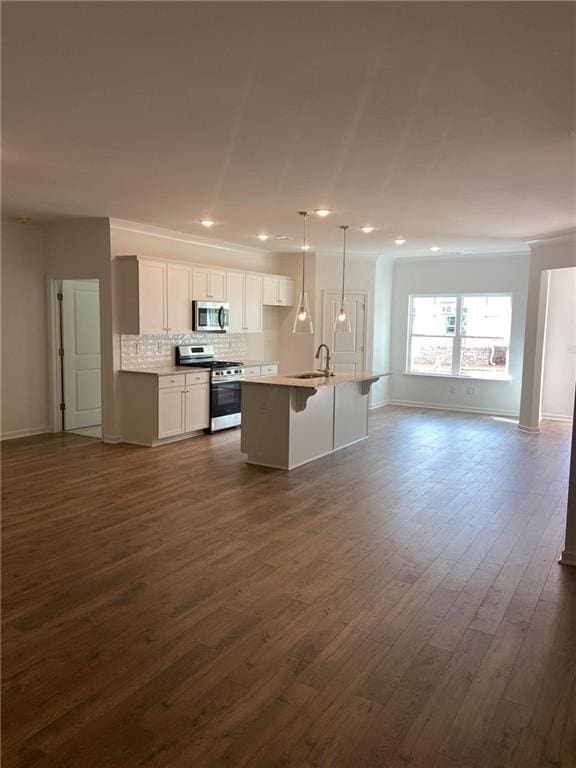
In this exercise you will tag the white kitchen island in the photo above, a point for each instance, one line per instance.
(290, 420)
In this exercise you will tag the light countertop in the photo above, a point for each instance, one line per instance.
(168, 370)
(288, 380)
(261, 362)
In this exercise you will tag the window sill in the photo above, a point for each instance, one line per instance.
(461, 377)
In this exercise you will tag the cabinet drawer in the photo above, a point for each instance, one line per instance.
(178, 380)
(269, 370)
(254, 370)
(202, 377)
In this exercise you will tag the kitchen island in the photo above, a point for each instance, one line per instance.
(290, 420)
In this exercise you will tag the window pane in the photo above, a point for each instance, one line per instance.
(487, 316)
(484, 357)
(434, 315)
(431, 355)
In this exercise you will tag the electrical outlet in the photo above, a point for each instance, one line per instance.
(471, 390)
(452, 389)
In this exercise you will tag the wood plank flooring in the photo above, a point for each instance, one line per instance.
(398, 603)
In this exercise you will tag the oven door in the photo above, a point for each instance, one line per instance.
(225, 404)
(211, 316)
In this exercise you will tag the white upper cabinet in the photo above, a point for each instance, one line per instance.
(253, 304)
(178, 297)
(245, 298)
(236, 284)
(208, 284)
(278, 291)
(151, 296)
(156, 296)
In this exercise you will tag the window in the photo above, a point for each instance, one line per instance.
(460, 335)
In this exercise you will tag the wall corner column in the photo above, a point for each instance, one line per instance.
(536, 309)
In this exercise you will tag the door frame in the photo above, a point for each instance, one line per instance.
(363, 292)
(55, 369)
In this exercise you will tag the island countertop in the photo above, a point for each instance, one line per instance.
(292, 380)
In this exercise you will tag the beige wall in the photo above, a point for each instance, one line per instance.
(24, 336)
(490, 274)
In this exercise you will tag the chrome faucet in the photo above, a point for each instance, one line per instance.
(327, 371)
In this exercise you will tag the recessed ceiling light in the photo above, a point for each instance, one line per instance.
(323, 212)
(207, 223)
(262, 236)
(435, 248)
(304, 247)
(367, 229)
(399, 241)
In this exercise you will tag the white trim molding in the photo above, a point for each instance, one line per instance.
(112, 439)
(568, 558)
(529, 430)
(457, 408)
(25, 433)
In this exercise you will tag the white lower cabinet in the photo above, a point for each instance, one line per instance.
(157, 408)
(171, 412)
(197, 407)
(253, 371)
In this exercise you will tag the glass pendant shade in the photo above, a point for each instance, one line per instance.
(342, 321)
(303, 318)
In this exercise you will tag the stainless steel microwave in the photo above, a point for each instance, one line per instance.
(211, 316)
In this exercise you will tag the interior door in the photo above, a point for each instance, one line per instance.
(81, 361)
(348, 352)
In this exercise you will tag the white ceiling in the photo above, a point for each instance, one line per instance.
(447, 123)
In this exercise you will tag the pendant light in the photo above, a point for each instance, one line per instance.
(303, 318)
(342, 321)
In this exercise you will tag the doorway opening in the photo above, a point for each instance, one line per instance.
(77, 350)
(559, 357)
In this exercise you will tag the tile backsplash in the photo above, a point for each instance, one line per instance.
(156, 351)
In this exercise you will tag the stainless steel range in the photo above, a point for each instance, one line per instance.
(225, 383)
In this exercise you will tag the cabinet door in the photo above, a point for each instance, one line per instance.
(270, 290)
(217, 284)
(235, 287)
(201, 284)
(171, 411)
(152, 296)
(253, 304)
(197, 407)
(286, 291)
(178, 297)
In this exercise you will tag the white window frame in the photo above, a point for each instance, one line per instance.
(457, 337)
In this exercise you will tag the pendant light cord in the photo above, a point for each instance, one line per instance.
(304, 214)
(343, 228)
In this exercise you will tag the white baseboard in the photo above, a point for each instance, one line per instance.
(568, 558)
(25, 433)
(379, 404)
(458, 408)
(556, 417)
(113, 439)
(529, 430)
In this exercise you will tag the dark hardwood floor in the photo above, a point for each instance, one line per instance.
(396, 604)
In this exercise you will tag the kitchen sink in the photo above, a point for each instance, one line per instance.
(317, 375)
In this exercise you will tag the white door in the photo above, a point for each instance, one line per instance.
(286, 292)
(179, 297)
(270, 291)
(348, 353)
(235, 282)
(81, 362)
(217, 283)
